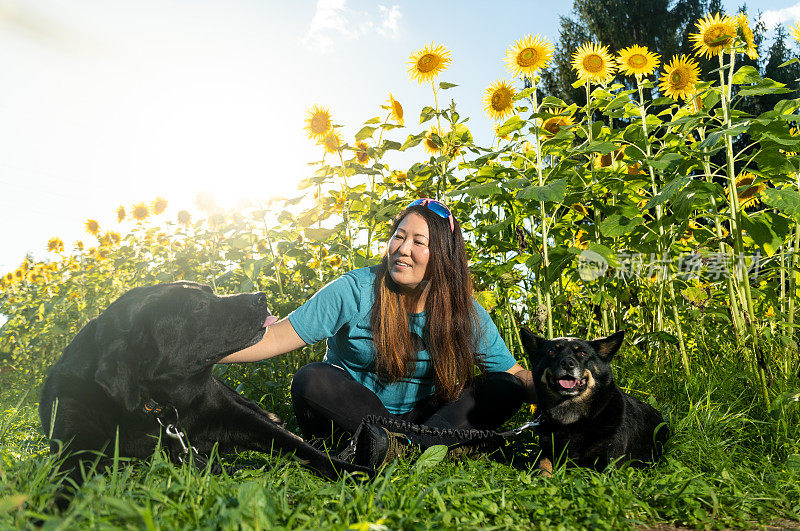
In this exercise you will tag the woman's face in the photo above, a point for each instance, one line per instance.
(408, 252)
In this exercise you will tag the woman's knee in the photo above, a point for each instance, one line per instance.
(317, 381)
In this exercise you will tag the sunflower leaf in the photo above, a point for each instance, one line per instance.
(784, 200)
(509, 126)
(746, 74)
(365, 132)
(554, 191)
(444, 85)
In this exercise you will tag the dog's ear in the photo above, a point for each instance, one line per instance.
(119, 331)
(530, 342)
(606, 347)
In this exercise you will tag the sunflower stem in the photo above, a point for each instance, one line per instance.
(545, 257)
(735, 223)
(662, 247)
(603, 311)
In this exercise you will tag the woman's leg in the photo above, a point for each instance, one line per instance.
(489, 402)
(329, 403)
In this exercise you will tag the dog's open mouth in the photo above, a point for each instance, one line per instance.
(271, 320)
(568, 385)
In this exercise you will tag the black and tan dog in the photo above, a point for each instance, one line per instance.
(585, 415)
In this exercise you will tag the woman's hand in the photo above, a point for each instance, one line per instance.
(526, 377)
(279, 338)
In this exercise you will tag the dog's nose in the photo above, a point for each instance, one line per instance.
(260, 300)
(568, 364)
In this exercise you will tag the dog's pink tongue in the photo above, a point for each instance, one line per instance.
(271, 320)
(567, 383)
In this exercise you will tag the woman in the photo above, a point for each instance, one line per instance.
(404, 339)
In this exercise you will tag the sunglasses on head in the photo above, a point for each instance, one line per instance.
(437, 208)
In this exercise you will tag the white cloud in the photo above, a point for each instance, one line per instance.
(334, 19)
(391, 19)
(789, 15)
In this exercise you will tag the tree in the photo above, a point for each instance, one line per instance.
(621, 23)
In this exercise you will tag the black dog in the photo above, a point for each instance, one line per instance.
(149, 357)
(583, 410)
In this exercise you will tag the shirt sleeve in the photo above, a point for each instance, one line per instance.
(327, 311)
(491, 347)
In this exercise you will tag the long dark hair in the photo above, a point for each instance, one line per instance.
(451, 323)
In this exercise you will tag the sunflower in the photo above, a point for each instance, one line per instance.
(395, 110)
(715, 34)
(593, 63)
(637, 61)
(747, 35)
(361, 152)
(528, 55)
(318, 121)
(205, 201)
(332, 142)
(335, 260)
(497, 132)
(559, 119)
(398, 177)
(635, 169)
(140, 211)
(159, 205)
(113, 237)
(430, 144)
(184, 217)
(498, 100)
(92, 226)
(55, 245)
(580, 209)
(795, 30)
(426, 64)
(747, 192)
(680, 77)
(121, 213)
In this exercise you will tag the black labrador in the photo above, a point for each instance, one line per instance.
(148, 357)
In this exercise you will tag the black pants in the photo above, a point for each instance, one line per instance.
(329, 403)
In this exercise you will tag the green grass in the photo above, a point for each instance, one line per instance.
(728, 464)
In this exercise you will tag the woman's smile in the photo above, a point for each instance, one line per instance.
(408, 252)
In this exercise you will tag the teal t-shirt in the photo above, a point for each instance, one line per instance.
(340, 312)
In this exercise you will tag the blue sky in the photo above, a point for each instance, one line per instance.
(108, 102)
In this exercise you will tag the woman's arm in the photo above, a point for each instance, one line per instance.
(279, 338)
(526, 377)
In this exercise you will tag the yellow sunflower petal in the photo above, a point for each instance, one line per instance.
(795, 30)
(528, 55)
(593, 63)
(332, 142)
(552, 125)
(426, 64)
(747, 35)
(498, 101)
(395, 110)
(637, 61)
(318, 122)
(430, 146)
(680, 77)
(715, 34)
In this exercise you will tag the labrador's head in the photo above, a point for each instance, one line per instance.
(171, 332)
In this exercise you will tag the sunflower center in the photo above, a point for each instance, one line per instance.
(501, 99)
(527, 57)
(319, 124)
(678, 79)
(637, 60)
(593, 63)
(716, 36)
(428, 63)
